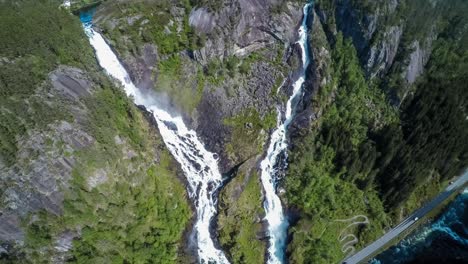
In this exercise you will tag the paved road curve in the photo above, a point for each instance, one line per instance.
(421, 212)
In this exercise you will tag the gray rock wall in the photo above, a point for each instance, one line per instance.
(381, 39)
(243, 26)
(45, 158)
(238, 28)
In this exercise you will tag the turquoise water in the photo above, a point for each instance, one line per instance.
(444, 240)
(86, 17)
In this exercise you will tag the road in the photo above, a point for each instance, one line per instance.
(408, 222)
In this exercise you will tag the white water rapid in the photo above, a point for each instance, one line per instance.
(199, 165)
(277, 222)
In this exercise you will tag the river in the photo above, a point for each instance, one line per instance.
(444, 240)
(276, 154)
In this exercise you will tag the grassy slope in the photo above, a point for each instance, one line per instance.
(238, 222)
(30, 47)
(323, 191)
(138, 214)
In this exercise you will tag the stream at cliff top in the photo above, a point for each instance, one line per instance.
(199, 165)
(444, 240)
(277, 222)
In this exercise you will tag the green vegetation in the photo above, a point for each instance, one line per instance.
(423, 193)
(326, 199)
(128, 221)
(366, 158)
(111, 111)
(27, 32)
(124, 203)
(138, 215)
(358, 109)
(425, 144)
(157, 23)
(183, 85)
(215, 72)
(405, 151)
(328, 176)
(31, 46)
(247, 138)
(154, 23)
(432, 122)
(238, 221)
(125, 208)
(217, 69)
(171, 66)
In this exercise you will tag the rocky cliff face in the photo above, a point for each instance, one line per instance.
(360, 23)
(256, 35)
(49, 162)
(385, 41)
(43, 168)
(241, 27)
(382, 55)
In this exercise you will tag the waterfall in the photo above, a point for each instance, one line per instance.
(277, 222)
(199, 165)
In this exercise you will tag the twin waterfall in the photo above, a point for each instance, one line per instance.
(277, 223)
(201, 166)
